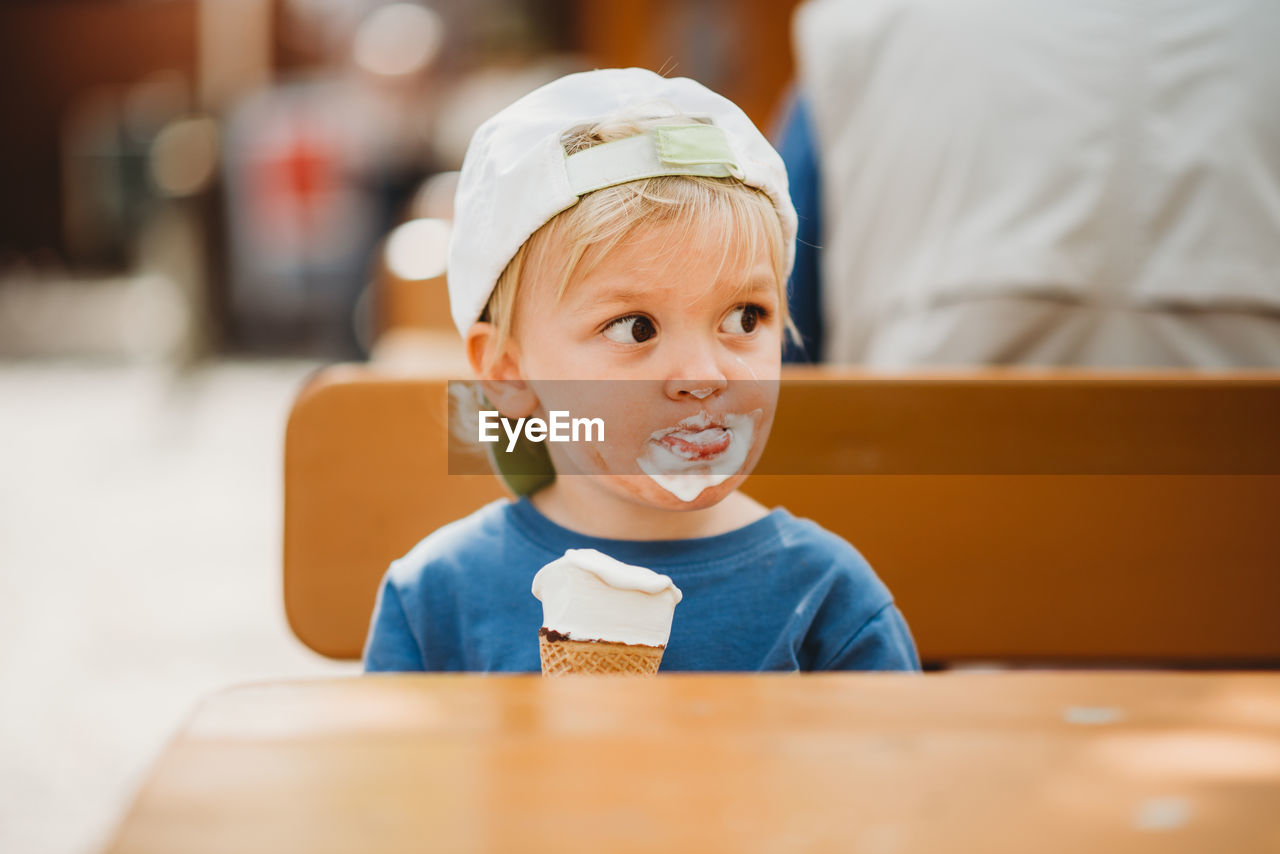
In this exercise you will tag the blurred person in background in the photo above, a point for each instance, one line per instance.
(1037, 182)
(322, 164)
(318, 164)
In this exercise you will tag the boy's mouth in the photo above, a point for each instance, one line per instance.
(699, 444)
(698, 438)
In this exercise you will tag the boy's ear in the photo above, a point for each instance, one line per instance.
(500, 376)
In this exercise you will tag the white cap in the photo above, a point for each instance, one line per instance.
(515, 176)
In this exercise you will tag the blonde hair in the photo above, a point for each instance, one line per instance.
(577, 238)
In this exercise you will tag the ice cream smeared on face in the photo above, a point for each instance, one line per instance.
(700, 452)
(587, 595)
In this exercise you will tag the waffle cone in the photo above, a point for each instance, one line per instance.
(561, 657)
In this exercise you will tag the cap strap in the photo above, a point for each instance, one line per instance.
(675, 150)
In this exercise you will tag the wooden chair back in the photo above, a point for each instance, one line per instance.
(1060, 519)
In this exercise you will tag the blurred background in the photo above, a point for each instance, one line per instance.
(202, 203)
(185, 179)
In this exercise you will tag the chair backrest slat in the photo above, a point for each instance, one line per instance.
(1070, 518)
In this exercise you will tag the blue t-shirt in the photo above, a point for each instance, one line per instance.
(778, 594)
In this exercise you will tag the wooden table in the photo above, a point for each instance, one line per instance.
(983, 762)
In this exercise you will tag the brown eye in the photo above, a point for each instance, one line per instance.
(742, 320)
(632, 329)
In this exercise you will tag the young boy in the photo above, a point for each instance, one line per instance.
(621, 247)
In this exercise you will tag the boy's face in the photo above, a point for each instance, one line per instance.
(674, 340)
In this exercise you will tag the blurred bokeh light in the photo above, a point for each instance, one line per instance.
(402, 38)
(419, 249)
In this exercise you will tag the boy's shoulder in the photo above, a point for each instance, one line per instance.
(453, 548)
(812, 549)
(805, 537)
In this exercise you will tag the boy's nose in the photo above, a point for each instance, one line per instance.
(695, 374)
(699, 388)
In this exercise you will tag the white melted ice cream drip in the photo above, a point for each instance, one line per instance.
(588, 595)
(686, 477)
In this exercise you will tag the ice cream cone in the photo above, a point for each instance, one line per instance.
(600, 615)
(561, 657)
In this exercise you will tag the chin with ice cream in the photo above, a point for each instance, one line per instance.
(699, 453)
(673, 452)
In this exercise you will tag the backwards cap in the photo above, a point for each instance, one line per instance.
(516, 175)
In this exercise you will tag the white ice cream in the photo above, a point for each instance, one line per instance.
(682, 471)
(590, 596)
